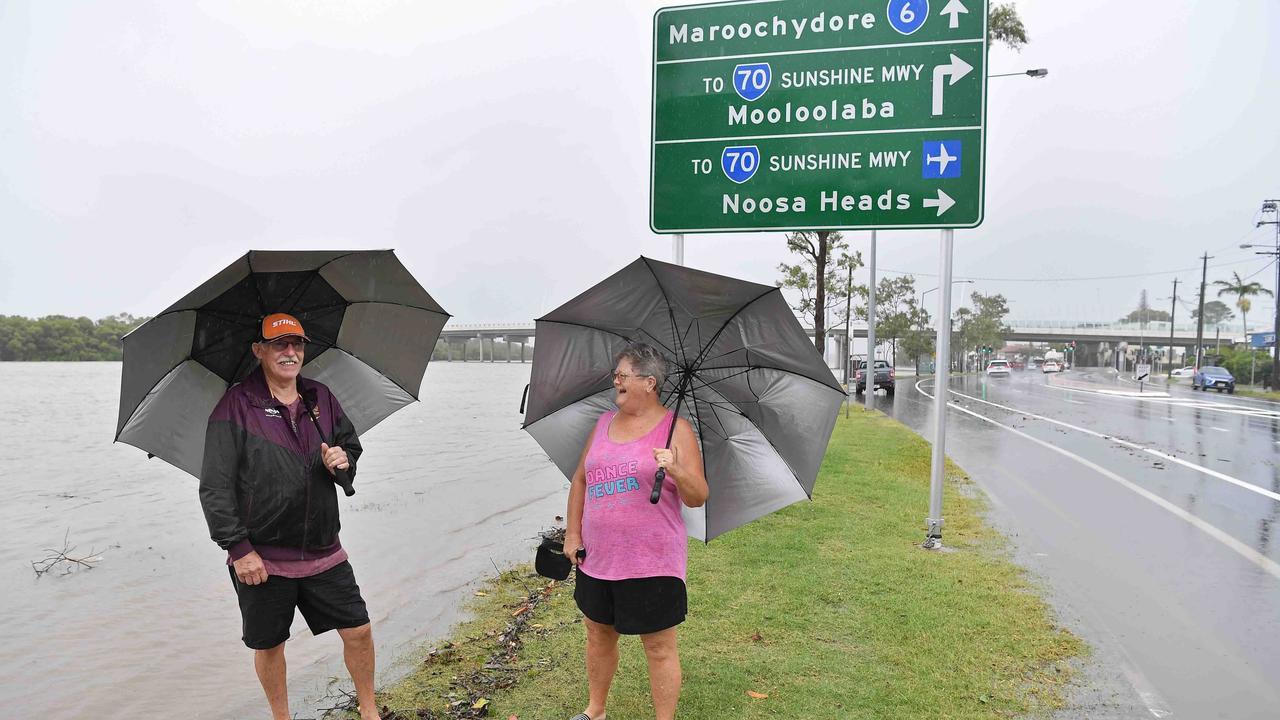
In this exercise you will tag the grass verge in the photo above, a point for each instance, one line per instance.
(1257, 393)
(828, 608)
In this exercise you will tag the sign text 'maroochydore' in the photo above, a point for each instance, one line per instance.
(794, 28)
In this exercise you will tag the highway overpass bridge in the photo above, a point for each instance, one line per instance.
(1096, 343)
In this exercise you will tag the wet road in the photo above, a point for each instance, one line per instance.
(1151, 521)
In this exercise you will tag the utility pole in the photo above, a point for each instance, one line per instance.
(1173, 308)
(1273, 206)
(1204, 274)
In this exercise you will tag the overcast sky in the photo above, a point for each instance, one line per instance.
(502, 148)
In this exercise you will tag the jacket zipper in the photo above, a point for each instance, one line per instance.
(306, 480)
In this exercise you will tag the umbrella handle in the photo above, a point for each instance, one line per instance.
(661, 475)
(342, 477)
(658, 477)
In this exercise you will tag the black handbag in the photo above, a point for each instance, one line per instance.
(550, 562)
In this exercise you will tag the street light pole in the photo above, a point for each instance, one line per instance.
(926, 292)
(1173, 308)
(1035, 73)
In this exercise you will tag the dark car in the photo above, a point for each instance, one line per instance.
(1212, 376)
(884, 377)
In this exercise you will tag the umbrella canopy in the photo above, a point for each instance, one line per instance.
(372, 330)
(761, 399)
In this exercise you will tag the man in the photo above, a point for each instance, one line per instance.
(267, 489)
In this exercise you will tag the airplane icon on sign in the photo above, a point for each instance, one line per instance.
(941, 159)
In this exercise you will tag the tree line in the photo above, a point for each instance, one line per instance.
(58, 337)
(901, 320)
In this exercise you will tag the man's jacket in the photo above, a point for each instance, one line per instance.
(262, 481)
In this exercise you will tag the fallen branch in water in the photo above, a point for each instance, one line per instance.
(64, 560)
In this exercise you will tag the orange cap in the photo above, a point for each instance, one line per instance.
(278, 325)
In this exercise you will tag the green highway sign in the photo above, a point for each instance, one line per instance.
(818, 114)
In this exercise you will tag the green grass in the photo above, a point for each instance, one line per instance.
(1258, 393)
(829, 607)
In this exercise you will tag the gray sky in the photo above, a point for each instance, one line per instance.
(502, 149)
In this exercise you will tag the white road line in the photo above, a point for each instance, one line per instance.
(1189, 403)
(1111, 438)
(1220, 429)
(1248, 553)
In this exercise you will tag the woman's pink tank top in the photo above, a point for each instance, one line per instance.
(626, 536)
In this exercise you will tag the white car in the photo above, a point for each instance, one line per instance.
(1187, 372)
(998, 368)
(1051, 366)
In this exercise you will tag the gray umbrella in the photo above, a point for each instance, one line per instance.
(745, 374)
(372, 329)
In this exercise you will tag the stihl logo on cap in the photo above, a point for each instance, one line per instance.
(284, 321)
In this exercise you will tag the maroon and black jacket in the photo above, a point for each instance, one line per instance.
(262, 480)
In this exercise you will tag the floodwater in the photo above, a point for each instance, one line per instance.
(449, 488)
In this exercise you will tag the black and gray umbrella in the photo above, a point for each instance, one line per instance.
(761, 399)
(372, 329)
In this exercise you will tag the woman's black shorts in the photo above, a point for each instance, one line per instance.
(633, 607)
(328, 601)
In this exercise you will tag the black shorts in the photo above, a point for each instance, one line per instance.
(328, 601)
(638, 606)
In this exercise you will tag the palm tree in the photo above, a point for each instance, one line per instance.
(1242, 290)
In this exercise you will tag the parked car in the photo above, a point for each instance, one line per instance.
(1188, 371)
(1050, 366)
(1212, 376)
(998, 368)
(1017, 365)
(884, 377)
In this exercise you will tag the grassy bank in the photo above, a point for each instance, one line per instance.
(828, 608)
(1257, 393)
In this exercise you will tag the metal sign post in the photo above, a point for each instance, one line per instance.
(1141, 373)
(941, 375)
(870, 373)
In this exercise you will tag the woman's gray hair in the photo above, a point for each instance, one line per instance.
(645, 360)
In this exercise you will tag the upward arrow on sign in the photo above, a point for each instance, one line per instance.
(955, 69)
(955, 9)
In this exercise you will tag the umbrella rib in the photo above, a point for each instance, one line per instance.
(772, 446)
(610, 332)
(527, 423)
(698, 360)
(257, 289)
(396, 304)
(683, 358)
(702, 446)
(778, 369)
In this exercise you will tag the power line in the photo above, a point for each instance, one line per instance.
(1259, 270)
(1068, 279)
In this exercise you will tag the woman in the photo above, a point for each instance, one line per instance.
(631, 581)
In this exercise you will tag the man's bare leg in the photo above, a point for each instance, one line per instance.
(271, 673)
(602, 664)
(357, 650)
(664, 671)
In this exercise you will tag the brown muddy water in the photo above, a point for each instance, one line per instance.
(448, 488)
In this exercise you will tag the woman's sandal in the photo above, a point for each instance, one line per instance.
(584, 716)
